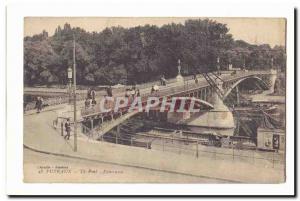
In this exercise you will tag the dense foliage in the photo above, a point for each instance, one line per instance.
(140, 54)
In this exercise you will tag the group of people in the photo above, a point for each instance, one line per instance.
(154, 89)
(133, 92)
(163, 81)
(90, 98)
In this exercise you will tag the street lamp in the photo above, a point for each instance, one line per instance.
(70, 74)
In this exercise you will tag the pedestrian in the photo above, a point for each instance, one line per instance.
(38, 104)
(138, 93)
(109, 91)
(196, 79)
(152, 90)
(93, 94)
(94, 102)
(87, 103)
(68, 129)
(89, 95)
(24, 106)
(163, 81)
(132, 93)
(105, 100)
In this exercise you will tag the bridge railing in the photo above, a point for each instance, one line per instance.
(110, 105)
(163, 92)
(53, 101)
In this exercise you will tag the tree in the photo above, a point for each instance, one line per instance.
(40, 63)
(141, 54)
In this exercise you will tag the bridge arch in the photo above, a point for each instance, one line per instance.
(202, 102)
(197, 102)
(115, 122)
(260, 81)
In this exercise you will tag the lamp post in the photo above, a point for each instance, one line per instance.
(74, 85)
(70, 73)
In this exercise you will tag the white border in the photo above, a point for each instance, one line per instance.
(15, 15)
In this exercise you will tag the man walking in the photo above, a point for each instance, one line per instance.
(38, 104)
(87, 103)
(68, 129)
(195, 78)
(94, 102)
(93, 94)
(138, 93)
(89, 95)
(152, 90)
(163, 81)
(109, 91)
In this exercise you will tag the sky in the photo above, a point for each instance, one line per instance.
(252, 30)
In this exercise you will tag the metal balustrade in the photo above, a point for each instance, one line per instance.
(192, 147)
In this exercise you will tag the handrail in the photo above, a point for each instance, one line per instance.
(176, 145)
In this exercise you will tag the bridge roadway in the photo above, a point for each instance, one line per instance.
(188, 88)
(60, 96)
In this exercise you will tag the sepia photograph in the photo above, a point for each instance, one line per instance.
(181, 100)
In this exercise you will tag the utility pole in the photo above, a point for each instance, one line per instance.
(74, 84)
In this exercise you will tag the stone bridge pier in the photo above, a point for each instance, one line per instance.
(220, 118)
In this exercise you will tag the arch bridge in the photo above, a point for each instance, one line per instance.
(203, 92)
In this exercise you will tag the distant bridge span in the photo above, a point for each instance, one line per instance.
(264, 85)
